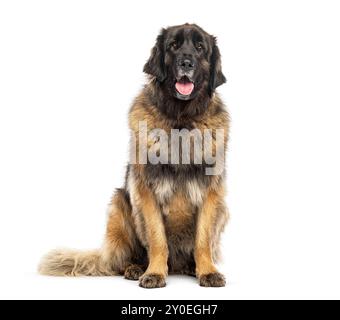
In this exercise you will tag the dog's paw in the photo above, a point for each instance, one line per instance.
(133, 272)
(152, 280)
(215, 279)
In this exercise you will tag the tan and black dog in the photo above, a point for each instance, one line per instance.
(168, 217)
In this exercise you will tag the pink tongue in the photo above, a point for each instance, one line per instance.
(184, 88)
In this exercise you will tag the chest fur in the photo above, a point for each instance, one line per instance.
(174, 192)
(179, 207)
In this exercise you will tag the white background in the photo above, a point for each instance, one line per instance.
(68, 73)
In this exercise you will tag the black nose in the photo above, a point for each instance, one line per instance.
(186, 64)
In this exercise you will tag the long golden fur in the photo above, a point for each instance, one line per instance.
(166, 219)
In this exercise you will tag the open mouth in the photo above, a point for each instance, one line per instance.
(184, 86)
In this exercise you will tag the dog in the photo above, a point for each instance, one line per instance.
(168, 217)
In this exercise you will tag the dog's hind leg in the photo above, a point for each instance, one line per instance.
(121, 248)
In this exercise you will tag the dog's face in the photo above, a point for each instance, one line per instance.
(186, 62)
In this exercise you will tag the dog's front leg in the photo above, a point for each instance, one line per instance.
(154, 276)
(206, 271)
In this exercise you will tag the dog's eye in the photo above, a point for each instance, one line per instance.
(199, 46)
(174, 45)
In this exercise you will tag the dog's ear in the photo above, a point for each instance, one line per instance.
(217, 78)
(155, 66)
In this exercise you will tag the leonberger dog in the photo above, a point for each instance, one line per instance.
(168, 217)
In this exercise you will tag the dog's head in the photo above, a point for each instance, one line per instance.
(186, 62)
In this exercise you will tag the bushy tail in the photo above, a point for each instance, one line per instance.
(115, 255)
(65, 262)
